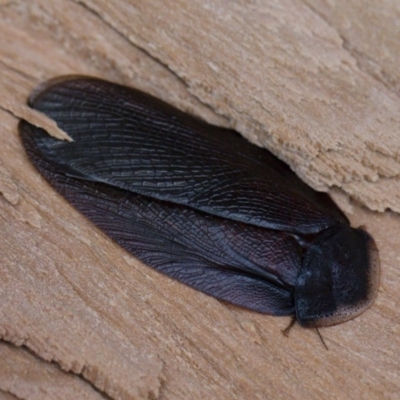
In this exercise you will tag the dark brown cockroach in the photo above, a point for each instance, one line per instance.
(201, 204)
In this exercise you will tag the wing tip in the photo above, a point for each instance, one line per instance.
(45, 86)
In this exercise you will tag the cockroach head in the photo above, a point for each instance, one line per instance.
(339, 277)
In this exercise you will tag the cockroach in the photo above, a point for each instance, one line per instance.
(201, 204)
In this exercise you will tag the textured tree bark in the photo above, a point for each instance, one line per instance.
(315, 83)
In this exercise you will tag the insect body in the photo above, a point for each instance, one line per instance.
(201, 204)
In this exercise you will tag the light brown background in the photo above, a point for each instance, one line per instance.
(317, 82)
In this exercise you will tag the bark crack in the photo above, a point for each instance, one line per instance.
(17, 71)
(361, 59)
(54, 364)
(11, 393)
(110, 25)
(146, 53)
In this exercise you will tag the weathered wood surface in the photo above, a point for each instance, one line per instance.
(318, 85)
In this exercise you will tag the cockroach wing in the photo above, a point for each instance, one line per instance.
(130, 140)
(242, 264)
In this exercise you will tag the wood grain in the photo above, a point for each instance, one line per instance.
(313, 82)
